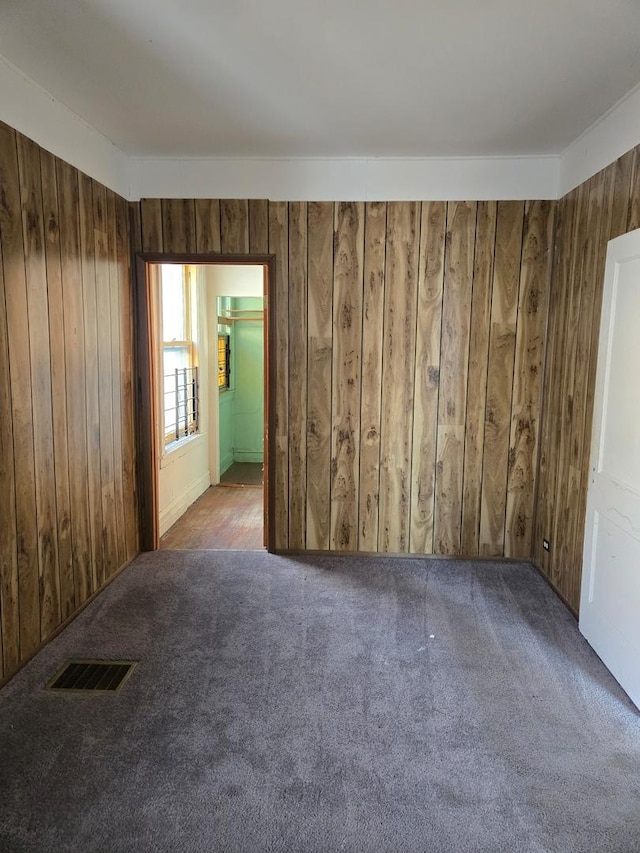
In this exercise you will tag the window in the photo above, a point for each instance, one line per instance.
(224, 362)
(181, 405)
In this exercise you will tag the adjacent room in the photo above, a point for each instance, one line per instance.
(319, 447)
(206, 331)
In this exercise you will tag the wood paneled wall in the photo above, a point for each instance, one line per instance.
(409, 387)
(68, 517)
(595, 212)
(410, 343)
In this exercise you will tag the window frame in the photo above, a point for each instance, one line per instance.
(190, 344)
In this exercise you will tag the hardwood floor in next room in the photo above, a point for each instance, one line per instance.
(223, 518)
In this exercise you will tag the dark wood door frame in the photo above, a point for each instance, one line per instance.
(146, 444)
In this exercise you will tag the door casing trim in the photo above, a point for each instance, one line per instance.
(146, 450)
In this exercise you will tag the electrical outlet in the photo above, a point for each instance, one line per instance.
(545, 545)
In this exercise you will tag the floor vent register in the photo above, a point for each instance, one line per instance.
(91, 676)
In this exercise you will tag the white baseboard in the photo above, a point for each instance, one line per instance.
(172, 512)
(226, 462)
(248, 456)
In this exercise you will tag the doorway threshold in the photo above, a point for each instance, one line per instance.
(243, 474)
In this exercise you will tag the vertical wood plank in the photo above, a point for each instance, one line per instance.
(477, 382)
(105, 382)
(75, 374)
(564, 233)
(370, 409)
(178, 225)
(234, 226)
(134, 226)
(347, 351)
(13, 256)
(127, 372)
(320, 342)
(566, 482)
(151, 222)
(279, 245)
(258, 226)
(527, 387)
(207, 225)
(90, 312)
(9, 594)
(58, 381)
(504, 310)
(398, 365)
(633, 217)
(621, 193)
(117, 520)
(427, 375)
(454, 361)
(129, 291)
(40, 357)
(297, 374)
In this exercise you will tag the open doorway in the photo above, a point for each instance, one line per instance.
(240, 364)
(205, 386)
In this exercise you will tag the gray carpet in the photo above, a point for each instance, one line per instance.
(323, 704)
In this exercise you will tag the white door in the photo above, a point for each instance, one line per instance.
(610, 594)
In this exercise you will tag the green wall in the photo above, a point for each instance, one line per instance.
(226, 430)
(242, 407)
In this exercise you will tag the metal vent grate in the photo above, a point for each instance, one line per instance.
(94, 676)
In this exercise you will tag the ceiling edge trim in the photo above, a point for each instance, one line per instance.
(347, 179)
(31, 110)
(611, 136)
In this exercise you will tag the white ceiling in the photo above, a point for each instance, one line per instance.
(330, 78)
